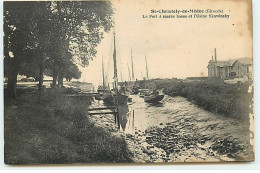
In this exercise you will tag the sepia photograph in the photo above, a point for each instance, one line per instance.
(132, 82)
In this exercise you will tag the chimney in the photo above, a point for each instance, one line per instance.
(215, 54)
(212, 58)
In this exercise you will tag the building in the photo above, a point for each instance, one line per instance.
(233, 68)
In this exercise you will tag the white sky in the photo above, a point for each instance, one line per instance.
(174, 47)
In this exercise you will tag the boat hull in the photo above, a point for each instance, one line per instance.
(143, 92)
(122, 99)
(102, 96)
(153, 99)
(98, 97)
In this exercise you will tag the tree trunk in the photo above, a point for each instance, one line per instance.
(11, 84)
(54, 80)
(40, 77)
(60, 80)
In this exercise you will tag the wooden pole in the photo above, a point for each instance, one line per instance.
(133, 125)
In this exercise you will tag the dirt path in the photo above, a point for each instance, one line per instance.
(178, 131)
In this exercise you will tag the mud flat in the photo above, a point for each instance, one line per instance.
(178, 131)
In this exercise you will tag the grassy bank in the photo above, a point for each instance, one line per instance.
(214, 96)
(53, 128)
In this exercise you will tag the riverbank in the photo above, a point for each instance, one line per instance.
(214, 96)
(53, 128)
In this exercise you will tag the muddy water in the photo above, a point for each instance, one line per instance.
(175, 130)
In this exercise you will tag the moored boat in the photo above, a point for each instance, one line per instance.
(110, 100)
(103, 95)
(120, 96)
(104, 91)
(143, 92)
(135, 90)
(153, 98)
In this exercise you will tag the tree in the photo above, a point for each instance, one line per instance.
(51, 34)
(72, 72)
(81, 26)
(19, 39)
(30, 69)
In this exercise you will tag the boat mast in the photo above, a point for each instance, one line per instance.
(116, 82)
(103, 73)
(133, 76)
(145, 83)
(129, 76)
(146, 68)
(115, 66)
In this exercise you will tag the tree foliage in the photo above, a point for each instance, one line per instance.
(72, 72)
(52, 35)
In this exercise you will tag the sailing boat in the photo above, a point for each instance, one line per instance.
(153, 97)
(145, 91)
(103, 90)
(135, 89)
(117, 97)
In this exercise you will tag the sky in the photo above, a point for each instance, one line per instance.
(174, 47)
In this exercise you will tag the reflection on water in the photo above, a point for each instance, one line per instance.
(126, 118)
(136, 115)
(123, 115)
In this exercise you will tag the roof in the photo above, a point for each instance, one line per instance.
(243, 61)
(222, 63)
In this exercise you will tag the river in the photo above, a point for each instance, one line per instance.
(176, 130)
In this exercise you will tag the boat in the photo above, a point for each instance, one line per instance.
(103, 95)
(135, 90)
(131, 86)
(104, 91)
(103, 88)
(117, 97)
(111, 99)
(152, 97)
(143, 92)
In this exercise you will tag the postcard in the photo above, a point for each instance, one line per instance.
(140, 81)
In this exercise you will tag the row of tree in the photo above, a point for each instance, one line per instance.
(52, 37)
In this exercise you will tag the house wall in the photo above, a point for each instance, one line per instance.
(211, 70)
(223, 72)
(240, 69)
